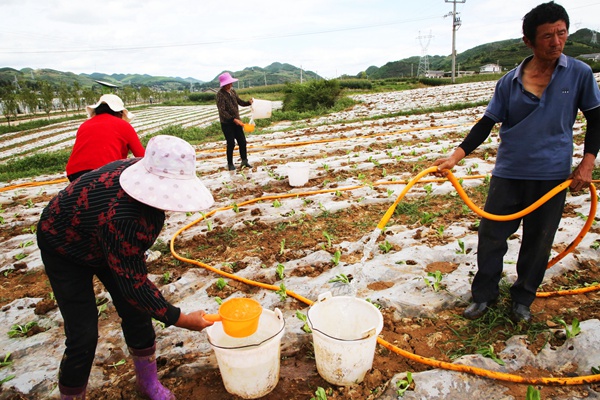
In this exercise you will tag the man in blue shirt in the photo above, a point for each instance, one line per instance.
(537, 104)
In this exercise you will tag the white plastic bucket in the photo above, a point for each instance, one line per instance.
(298, 173)
(250, 366)
(344, 331)
(261, 109)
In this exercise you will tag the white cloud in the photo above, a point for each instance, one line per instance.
(201, 39)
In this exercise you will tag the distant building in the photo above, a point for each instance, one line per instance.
(490, 69)
(592, 57)
(434, 74)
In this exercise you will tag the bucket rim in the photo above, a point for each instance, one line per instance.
(279, 316)
(367, 333)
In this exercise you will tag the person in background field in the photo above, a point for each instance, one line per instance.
(105, 137)
(536, 103)
(101, 225)
(229, 116)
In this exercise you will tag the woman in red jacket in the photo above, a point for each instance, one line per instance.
(107, 136)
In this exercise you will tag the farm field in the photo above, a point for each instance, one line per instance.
(418, 271)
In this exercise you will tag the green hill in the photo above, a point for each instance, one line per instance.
(507, 53)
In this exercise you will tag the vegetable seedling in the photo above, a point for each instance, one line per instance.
(221, 283)
(436, 283)
(385, 247)
(302, 317)
(336, 257)
(404, 384)
(279, 270)
(342, 278)
(282, 292)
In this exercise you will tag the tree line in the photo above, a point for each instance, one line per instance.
(17, 100)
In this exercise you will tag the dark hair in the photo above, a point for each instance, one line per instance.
(543, 14)
(105, 109)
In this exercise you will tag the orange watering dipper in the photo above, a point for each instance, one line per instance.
(239, 316)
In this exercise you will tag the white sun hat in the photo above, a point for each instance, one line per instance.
(114, 102)
(165, 178)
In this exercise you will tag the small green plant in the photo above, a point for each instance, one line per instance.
(118, 363)
(488, 352)
(320, 394)
(8, 378)
(282, 247)
(166, 277)
(7, 362)
(31, 229)
(221, 283)
(428, 188)
(20, 256)
(403, 384)
(336, 257)
(427, 218)
(595, 245)
(276, 203)
(326, 167)
(533, 393)
(436, 283)
(18, 330)
(282, 292)
(440, 231)
(385, 247)
(279, 270)
(160, 324)
(235, 207)
(342, 278)
(302, 317)
(461, 247)
(208, 222)
(102, 308)
(596, 370)
(218, 300)
(377, 305)
(328, 237)
(390, 192)
(575, 328)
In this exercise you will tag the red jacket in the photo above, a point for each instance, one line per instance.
(103, 139)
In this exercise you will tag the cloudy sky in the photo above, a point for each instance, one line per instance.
(202, 38)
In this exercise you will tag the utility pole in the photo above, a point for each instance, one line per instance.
(455, 25)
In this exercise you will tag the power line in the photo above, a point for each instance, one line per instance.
(207, 43)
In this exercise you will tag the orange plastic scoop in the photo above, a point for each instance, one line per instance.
(248, 128)
(239, 316)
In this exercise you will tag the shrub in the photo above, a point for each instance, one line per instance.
(362, 84)
(311, 96)
(38, 164)
(205, 97)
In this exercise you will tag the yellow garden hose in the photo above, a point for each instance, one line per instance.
(423, 360)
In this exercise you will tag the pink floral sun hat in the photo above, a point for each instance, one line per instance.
(165, 178)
